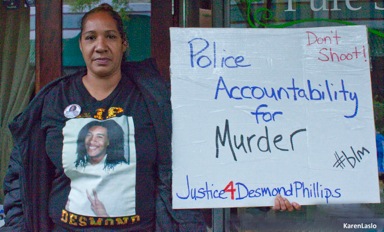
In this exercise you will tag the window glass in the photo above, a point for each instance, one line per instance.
(194, 13)
(32, 35)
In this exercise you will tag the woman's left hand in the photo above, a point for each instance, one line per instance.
(283, 204)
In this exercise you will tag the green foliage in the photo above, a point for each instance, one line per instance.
(121, 6)
(378, 108)
(82, 5)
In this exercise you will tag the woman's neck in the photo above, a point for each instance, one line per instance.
(101, 87)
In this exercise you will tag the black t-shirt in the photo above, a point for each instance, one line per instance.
(104, 153)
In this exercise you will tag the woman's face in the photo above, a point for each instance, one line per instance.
(101, 45)
(96, 143)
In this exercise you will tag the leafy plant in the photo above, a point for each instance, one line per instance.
(122, 6)
(378, 108)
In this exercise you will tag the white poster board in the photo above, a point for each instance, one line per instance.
(257, 112)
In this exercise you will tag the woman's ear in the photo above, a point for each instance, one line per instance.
(126, 45)
(81, 49)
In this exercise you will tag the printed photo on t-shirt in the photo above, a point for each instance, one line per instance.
(99, 157)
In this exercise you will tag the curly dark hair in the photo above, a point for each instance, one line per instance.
(115, 150)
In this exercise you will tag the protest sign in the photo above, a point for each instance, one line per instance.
(261, 112)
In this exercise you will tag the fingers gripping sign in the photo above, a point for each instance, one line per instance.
(283, 204)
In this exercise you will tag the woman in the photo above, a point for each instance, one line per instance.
(36, 185)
